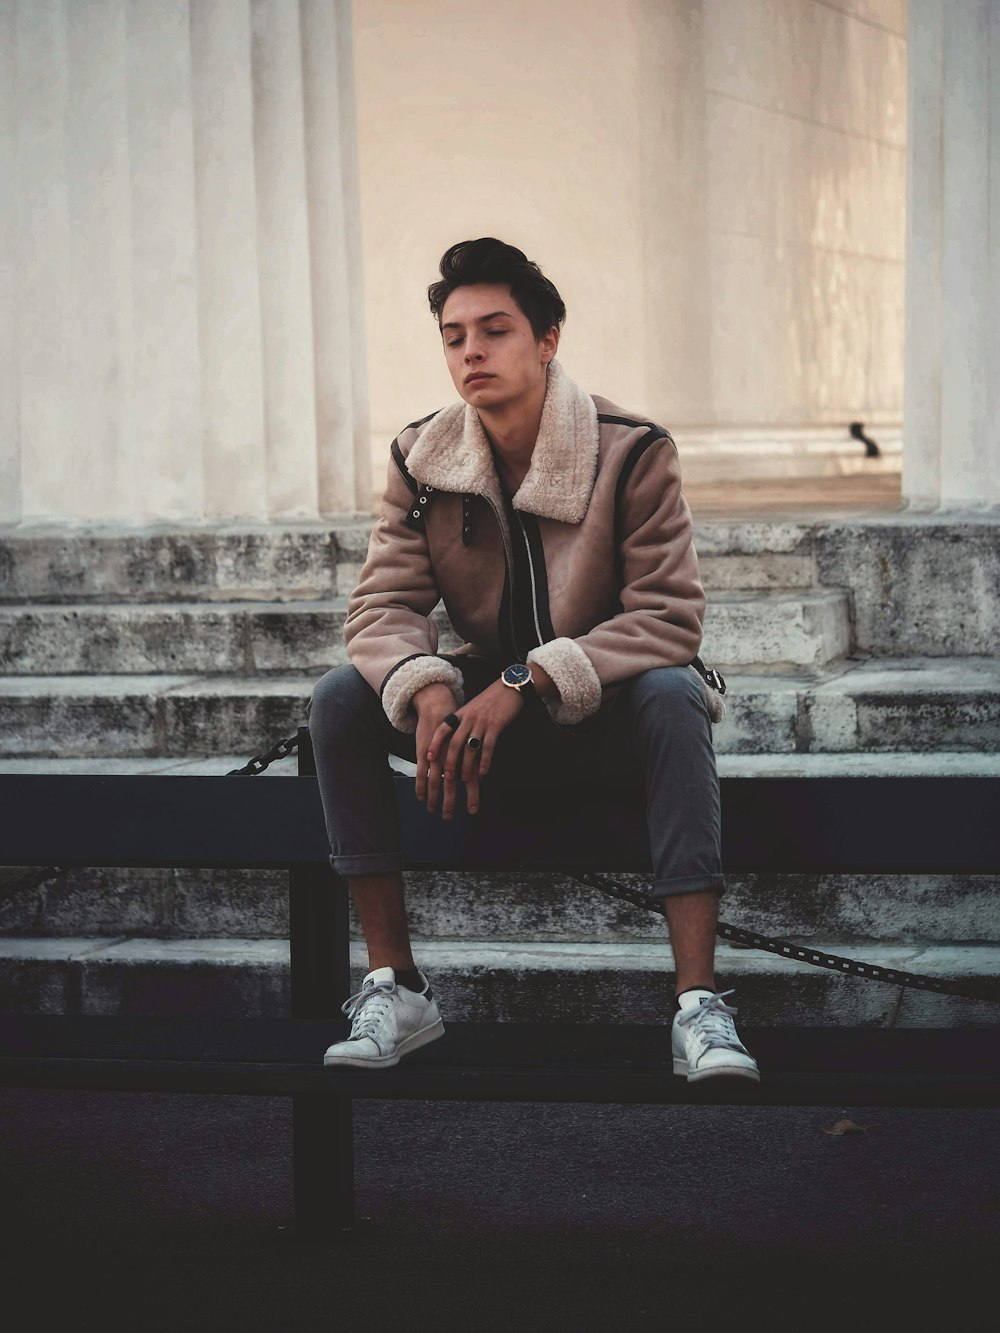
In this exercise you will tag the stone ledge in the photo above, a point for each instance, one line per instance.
(480, 981)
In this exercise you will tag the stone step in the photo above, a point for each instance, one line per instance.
(315, 560)
(879, 705)
(922, 583)
(263, 562)
(232, 638)
(533, 908)
(137, 716)
(493, 980)
(914, 704)
(774, 631)
(777, 631)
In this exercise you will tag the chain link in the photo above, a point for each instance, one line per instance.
(800, 953)
(262, 761)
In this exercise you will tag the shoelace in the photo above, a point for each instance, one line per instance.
(713, 1022)
(367, 1009)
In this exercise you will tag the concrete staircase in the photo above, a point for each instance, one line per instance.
(850, 645)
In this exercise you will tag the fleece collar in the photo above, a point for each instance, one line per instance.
(453, 454)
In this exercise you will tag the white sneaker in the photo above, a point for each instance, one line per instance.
(387, 1021)
(704, 1040)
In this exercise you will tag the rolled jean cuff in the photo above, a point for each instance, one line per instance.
(670, 888)
(368, 863)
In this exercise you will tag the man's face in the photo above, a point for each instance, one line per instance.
(491, 349)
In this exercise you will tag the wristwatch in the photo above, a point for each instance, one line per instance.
(518, 677)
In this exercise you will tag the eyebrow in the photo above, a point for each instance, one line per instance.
(481, 320)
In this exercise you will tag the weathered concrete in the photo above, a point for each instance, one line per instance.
(277, 562)
(776, 631)
(185, 976)
(233, 638)
(923, 585)
(910, 705)
(766, 631)
(149, 715)
(555, 983)
(510, 907)
(906, 705)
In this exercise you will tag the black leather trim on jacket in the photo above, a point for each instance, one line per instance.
(529, 523)
(400, 461)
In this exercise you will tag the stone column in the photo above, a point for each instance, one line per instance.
(180, 317)
(951, 430)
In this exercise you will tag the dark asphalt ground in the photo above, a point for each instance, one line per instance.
(153, 1212)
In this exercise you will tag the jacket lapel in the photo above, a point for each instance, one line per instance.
(452, 453)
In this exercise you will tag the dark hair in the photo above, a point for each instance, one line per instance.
(490, 260)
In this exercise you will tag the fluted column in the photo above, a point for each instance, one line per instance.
(951, 422)
(180, 317)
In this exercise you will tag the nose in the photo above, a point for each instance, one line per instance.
(472, 352)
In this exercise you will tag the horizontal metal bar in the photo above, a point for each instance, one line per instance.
(502, 1062)
(771, 825)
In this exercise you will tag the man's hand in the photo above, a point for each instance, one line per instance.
(443, 756)
(485, 717)
(431, 704)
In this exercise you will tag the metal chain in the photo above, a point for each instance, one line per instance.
(262, 761)
(800, 953)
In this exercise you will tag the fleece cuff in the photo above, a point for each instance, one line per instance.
(574, 677)
(411, 676)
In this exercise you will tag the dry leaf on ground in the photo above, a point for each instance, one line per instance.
(844, 1127)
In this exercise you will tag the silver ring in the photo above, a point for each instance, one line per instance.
(474, 743)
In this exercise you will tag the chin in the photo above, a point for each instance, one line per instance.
(478, 394)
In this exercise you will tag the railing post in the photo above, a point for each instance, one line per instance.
(322, 1127)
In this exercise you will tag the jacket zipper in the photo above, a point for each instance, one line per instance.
(534, 587)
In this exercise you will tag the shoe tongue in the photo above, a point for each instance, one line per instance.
(378, 976)
(691, 999)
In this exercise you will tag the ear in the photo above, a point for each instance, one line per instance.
(548, 345)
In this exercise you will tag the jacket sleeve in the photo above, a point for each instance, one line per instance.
(662, 599)
(389, 636)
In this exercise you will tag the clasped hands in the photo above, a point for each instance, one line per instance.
(443, 757)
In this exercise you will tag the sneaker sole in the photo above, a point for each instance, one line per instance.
(718, 1071)
(411, 1043)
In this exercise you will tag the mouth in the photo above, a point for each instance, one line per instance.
(477, 377)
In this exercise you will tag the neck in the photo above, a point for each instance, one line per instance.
(512, 430)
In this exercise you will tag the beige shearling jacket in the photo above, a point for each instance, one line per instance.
(590, 571)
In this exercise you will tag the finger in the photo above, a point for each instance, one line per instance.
(442, 734)
(451, 754)
(433, 786)
(470, 760)
(486, 754)
(448, 806)
(472, 794)
(439, 737)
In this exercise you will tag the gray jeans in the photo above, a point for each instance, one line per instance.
(653, 732)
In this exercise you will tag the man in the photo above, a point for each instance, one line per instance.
(553, 526)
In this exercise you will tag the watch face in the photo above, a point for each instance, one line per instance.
(518, 674)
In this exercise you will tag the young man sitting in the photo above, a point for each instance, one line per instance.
(553, 526)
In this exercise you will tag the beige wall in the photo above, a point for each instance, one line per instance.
(716, 186)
